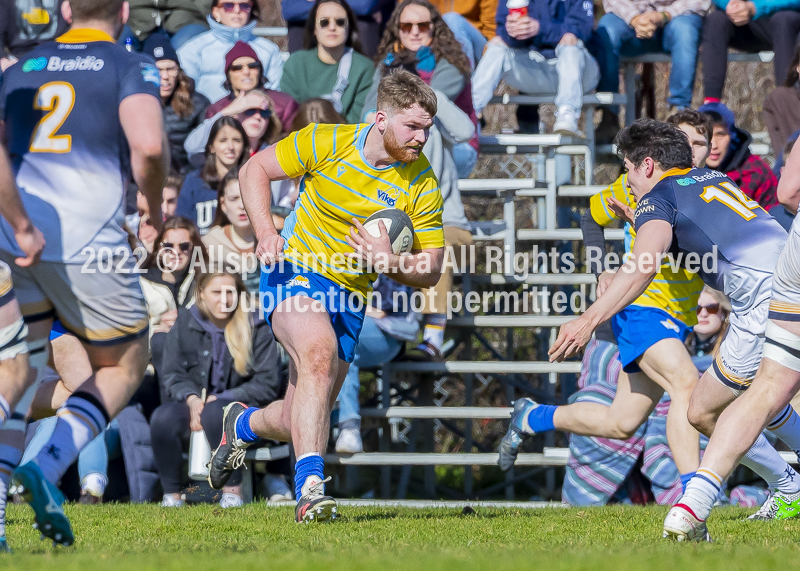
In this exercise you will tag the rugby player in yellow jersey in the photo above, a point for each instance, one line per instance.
(310, 294)
(650, 334)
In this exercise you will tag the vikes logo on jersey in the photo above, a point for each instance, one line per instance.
(390, 199)
(300, 281)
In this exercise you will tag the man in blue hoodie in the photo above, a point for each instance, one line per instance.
(541, 53)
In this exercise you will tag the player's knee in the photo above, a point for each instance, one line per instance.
(700, 418)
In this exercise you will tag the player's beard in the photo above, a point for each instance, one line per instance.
(402, 153)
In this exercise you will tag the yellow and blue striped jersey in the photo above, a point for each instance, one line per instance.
(675, 292)
(338, 184)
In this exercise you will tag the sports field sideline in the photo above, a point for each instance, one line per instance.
(142, 537)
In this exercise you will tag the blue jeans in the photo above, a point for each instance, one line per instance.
(467, 35)
(93, 459)
(680, 38)
(465, 157)
(374, 349)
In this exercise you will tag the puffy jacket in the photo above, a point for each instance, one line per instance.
(285, 107)
(203, 57)
(188, 359)
(556, 18)
(178, 128)
(159, 295)
(171, 15)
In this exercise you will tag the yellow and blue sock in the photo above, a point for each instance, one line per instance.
(243, 430)
(307, 465)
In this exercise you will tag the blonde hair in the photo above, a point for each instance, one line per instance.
(239, 329)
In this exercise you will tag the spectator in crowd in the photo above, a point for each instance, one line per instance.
(203, 57)
(749, 26)
(216, 348)
(285, 192)
(713, 309)
(417, 39)
(472, 23)
(226, 147)
(184, 107)
(25, 25)
(139, 223)
(179, 20)
(258, 118)
(730, 153)
(231, 241)
(635, 27)
(297, 15)
(331, 64)
(388, 323)
(782, 107)
(541, 53)
(244, 72)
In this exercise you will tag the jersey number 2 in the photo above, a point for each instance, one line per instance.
(57, 98)
(736, 200)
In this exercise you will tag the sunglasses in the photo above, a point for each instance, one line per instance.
(712, 309)
(241, 66)
(265, 113)
(423, 27)
(185, 247)
(244, 7)
(325, 22)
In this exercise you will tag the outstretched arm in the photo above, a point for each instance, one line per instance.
(254, 181)
(652, 242)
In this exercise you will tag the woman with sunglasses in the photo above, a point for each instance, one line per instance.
(203, 57)
(170, 271)
(713, 309)
(418, 39)
(366, 24)
(243, 72)
(225, 146)
(331, 65)
(231, 242)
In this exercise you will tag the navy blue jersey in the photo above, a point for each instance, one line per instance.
(711, 216)
(60, 106)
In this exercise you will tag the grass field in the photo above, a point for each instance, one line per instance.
(138, 538)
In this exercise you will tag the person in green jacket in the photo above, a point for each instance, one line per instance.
(332, 65)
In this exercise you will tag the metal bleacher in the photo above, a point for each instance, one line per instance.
(547, 192)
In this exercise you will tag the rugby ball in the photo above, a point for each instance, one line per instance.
(398, 225)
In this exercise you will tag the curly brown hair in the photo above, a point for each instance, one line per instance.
(444, 44)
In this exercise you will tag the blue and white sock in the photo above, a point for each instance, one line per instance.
(80, 420)
(765, 461)
(540, 419)
(307, 465)
(243, 430)
(702, 492)
(9, 460)
(685, 479)
(434, 329)
(786, 426)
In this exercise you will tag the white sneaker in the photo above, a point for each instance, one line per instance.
(349, 441)
(230, 501)
(566, 122)
(277, 488)
(682, 525)
(169, 501)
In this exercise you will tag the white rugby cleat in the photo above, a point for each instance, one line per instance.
(682, 525)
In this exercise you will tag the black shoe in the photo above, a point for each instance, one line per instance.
(313, 504)
(425, 351)
(229, 456)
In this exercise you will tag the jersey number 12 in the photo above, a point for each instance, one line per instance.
(57, 98)
(736, 200)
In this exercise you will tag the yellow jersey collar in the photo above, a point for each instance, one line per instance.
(673, 172)
(84, 35)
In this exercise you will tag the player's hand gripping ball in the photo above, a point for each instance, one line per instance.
(398, 225)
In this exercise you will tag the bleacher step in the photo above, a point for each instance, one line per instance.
(551, 457)
(448, 412)
(566, 234)
(509, 321)
(488, 367)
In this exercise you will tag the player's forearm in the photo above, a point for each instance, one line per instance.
(253, 179)
(418, 270)
(11, 207)
(150, 166)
